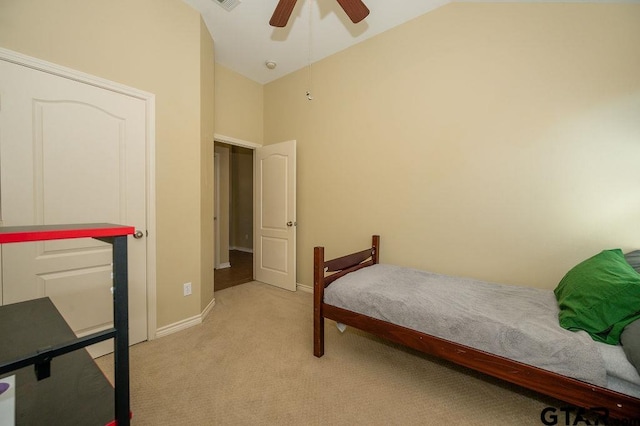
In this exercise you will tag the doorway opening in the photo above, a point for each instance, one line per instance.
(233, 215)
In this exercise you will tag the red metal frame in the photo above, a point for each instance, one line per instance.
(23, 234)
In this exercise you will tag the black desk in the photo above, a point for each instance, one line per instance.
(116, 235)
(76, 393)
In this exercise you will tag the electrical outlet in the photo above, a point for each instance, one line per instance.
(187, 289)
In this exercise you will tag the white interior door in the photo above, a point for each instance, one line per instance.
(71, 152)
(275, 247)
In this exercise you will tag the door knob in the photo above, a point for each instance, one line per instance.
(138, 235)
(289, 223)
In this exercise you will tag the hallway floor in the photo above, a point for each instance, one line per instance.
(240, 272)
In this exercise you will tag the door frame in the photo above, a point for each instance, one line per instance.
(150, 101)
(216, 211)
(245, 144)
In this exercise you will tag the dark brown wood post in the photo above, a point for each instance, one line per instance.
(318, 297)
(375, 242)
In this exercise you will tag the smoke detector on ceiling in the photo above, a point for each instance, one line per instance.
(228, 5)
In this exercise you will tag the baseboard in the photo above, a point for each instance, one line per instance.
(305, 288)
(185, 323)
(208, 309)
(178, 326)
(244, 249)
(224, 265)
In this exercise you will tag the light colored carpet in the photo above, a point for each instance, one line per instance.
(251, 363)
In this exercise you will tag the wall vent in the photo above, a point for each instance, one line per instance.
(228, 5)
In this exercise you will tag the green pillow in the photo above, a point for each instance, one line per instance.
(600, 295)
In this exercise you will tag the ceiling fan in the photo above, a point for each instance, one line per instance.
(355, 9)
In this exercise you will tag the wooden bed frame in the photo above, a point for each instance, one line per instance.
(580, 394)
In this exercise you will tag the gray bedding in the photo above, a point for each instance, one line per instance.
(518, 323)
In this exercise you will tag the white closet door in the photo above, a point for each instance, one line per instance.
(71, 152)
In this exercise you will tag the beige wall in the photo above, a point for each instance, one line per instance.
(491, 140)
(498, 141)
(239, 106)
(207, 116)
(155, 46)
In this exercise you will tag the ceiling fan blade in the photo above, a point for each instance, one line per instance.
(282, 13)
(355, 9)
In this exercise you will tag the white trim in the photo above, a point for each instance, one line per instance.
(185, 323)
(178, 326)
(208, 309)
(255, 215)
(216, 210)
(305, 288)
(152, 300)
(149, 99)
(243, 249)
(69, 73)
(235, 141)
(224, 265)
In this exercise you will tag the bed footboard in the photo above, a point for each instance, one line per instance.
(337, 268)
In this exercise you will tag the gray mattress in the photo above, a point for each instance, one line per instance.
(621, 375)
(518, 323)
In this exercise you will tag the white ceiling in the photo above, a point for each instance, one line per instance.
(244, 41)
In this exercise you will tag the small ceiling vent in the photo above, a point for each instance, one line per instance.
(228, 5)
